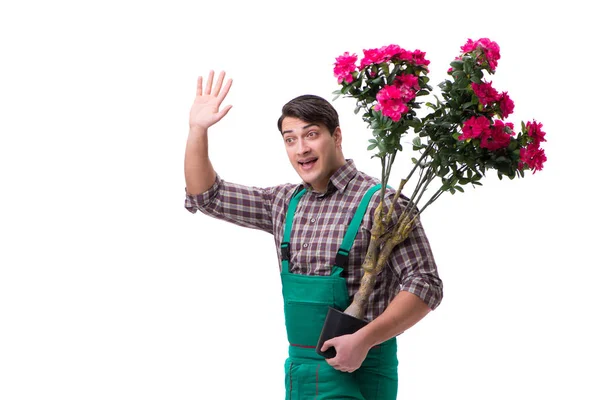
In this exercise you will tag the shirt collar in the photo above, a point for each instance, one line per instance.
(339, 180)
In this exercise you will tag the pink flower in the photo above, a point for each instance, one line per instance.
(344, 66)
(416, 57)
(408, 85)
(405, 55)
(393, 53)
(390, 103)
(496, 138)
(485, 93)
(419, 58)
(534, 156)
(390, 51)
(506, 105)
(534, 130)
(475, 127)
(406, 93)
(372, 56)
(489, 51)
(408, 80)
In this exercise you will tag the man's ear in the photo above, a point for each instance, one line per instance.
(337, 136)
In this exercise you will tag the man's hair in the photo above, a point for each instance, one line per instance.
(312, 109)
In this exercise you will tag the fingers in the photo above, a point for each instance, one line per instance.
(209, 81)
(219, 83)
(326, 345)
(199, 87)
(335, 364)
(225, 90)
(216, 90)
(223, 112)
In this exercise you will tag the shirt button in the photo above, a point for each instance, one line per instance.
(305, 245)
(312, 220)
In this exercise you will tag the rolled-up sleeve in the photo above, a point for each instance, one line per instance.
(245, 206)
(411, 262)
(194, 203)
(415, 268)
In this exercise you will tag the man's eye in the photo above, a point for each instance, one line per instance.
(311, 133)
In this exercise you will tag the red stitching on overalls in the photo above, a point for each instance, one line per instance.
(303, 346)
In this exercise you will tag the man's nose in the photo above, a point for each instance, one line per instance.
(302, 147)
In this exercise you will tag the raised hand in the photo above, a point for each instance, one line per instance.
(206, 110)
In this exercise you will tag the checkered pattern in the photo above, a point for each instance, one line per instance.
(320, 222)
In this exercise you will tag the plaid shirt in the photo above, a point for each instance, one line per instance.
(319, 226)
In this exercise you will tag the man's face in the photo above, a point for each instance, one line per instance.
(314, 153)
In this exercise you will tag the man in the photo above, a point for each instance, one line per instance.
(308, 235)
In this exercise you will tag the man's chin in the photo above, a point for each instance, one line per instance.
(306, 177)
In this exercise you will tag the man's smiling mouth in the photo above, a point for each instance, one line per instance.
(307, 163)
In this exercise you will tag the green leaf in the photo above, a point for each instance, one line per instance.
(475, 78)
(457, 64)
(468, 67)
(377, 81)
(458, 74)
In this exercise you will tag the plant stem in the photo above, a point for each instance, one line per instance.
(367, 282)
(424, 181)
(439, 192)
(404, 181)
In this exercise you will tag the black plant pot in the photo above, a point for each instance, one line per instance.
(337, 323)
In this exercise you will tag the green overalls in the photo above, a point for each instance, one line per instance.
(307, 299)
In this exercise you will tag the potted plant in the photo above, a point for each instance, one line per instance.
(464, 135)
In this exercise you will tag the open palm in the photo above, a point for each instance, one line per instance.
(206, 110)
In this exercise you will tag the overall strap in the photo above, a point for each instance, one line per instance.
(285, 242)
(341, 258)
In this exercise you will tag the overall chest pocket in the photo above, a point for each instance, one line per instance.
(306, 302)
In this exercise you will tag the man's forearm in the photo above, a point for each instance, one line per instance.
(199, 172)
(403, 312)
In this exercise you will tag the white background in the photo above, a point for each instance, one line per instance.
(110, 289)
